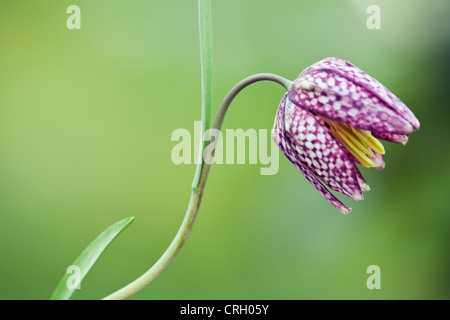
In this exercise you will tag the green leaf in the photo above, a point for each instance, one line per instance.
(205, 34)
(88, 258)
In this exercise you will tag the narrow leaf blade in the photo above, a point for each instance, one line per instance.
(88, 258)
(205, 33)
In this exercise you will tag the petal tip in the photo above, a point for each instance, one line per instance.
(356, 194)
(404, 140)
(416, 124)
(380, 166)
(345, 210)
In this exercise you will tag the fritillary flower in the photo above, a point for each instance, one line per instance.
(331, 119)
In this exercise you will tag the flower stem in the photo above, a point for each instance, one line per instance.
(196, 196)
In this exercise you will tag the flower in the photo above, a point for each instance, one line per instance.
(330, 119)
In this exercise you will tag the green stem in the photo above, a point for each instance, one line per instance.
(205, 27)
(196, 196)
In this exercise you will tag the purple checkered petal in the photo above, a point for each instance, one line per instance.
(285, 145)
(397, 138)
(345, 69)
(362, 182)
(320, 151)
(337, 98)
(378, 161)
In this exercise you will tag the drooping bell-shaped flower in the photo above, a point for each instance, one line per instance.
(331, 118)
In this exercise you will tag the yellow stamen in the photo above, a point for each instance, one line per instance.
(331, 123)
(369, 140)
(358, 142)
(354, 150)
(347, 130)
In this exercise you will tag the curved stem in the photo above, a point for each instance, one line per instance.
(196, 196)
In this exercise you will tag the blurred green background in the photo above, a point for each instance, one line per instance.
(86, 118)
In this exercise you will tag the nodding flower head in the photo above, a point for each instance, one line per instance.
(330, 120)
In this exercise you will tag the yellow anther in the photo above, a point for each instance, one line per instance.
(354, 150)
(347, 130)
(369, 140)
(358, 142)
